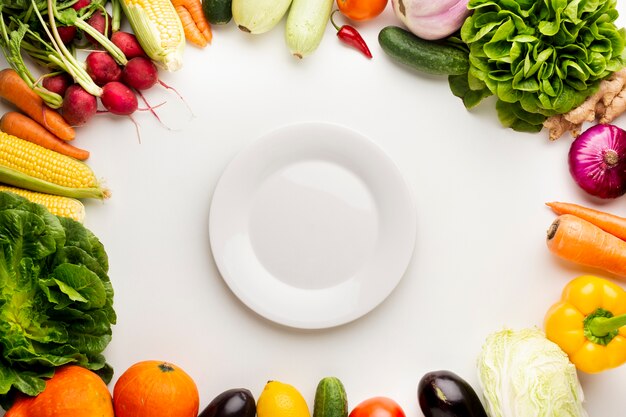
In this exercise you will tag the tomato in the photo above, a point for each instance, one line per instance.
(377, 407)
(361, 9)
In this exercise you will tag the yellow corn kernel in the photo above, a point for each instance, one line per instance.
(158, 29)
(57, 205)
(27, 165)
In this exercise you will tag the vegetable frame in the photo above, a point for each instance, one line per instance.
(589, 323)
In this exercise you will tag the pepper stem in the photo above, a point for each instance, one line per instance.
(332, 21)
(601, 326)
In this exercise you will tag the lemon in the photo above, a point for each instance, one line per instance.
(281, 400)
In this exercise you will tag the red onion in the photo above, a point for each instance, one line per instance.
(597, 161)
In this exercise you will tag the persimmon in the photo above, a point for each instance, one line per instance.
(361, 9)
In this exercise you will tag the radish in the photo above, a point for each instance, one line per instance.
(140, 73)
(102, 68)
(128, 44)
(78, 105)
(58, 83)
(102, 23)
(81, 4)
(118, 98)
(67, 33)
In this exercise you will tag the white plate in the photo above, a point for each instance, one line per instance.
(312, 226)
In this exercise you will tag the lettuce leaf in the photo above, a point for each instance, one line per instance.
(540, 57)
(56, 299)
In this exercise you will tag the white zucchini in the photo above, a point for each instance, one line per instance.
(306, 24)
(258, 16)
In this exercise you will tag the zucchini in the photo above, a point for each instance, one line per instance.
(431, 57)
(306, 24)
(258, 16)
(330, 399)
(218, 12)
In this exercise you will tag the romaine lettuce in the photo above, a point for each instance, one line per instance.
(56, 299)
(539, 57)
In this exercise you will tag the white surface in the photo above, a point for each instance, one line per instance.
(312, 226)
(480, 261)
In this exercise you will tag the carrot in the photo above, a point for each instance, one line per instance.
(24, 127)
(197, 28)
(580, 241)
(16, 91)
(610, 223)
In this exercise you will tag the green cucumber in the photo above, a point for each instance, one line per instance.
(306, 24)
(218, 12)
(431, 57)
(330, 399)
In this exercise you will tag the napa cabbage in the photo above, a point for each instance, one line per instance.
(523, 374)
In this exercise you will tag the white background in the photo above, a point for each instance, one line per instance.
(480, 261)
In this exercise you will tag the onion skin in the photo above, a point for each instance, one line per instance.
(431, 19)
(597, 161)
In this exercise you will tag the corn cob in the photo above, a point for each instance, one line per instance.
(57, 205)
(27, 165)
(158, 29)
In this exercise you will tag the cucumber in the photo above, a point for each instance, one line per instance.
(218, 12)
(330, 399)
(426, 56)
(306, 24)
(258, 16)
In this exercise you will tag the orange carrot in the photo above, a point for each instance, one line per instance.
(16, 91)
(580, 241)
(197, 28)
(24, 127)
(608, 222)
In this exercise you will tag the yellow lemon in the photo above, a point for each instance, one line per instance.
(281, 400)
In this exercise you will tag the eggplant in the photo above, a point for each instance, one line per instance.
(445, 394)
(236, 402)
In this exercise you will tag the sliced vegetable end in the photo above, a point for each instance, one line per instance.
(553, 229)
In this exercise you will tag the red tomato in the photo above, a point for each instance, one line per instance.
(361, 9)
(377, 407)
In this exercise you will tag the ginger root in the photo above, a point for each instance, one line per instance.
(603, 106)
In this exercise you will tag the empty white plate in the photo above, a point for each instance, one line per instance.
(312, 226)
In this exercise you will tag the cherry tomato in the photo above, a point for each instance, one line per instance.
(361, 9)
(377, 407)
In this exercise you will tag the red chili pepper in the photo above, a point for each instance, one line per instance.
(350, 36)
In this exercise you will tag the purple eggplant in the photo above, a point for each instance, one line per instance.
(236, 402)
(445, 394)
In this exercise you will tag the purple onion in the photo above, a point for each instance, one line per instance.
(597, 161)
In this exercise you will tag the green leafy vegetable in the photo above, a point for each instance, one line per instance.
(522, 373)
(539, 57)
(56, 300)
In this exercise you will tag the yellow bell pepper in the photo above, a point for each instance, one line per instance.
(589, 323)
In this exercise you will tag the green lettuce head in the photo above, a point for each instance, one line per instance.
(56, 299)
(541, 57)
(522, 374)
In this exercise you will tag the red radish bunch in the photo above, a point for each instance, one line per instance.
(67, 33)
(58, 83)
(78, 105)
(102, 68)
(102, 22)
(128, 44)
(81, 4)
(118, 83)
